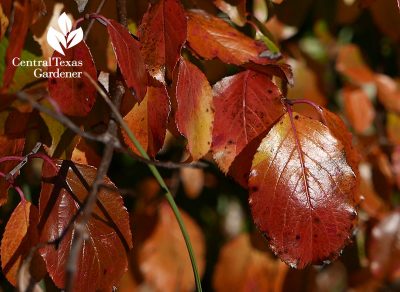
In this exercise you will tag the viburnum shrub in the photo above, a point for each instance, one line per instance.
(299, 167)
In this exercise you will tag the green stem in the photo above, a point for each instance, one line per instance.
(170, 200)
(157, 176)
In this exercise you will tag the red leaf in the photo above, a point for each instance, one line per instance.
(211, 37)
(302, 190)
(340, 131)
(194, 115)
(103, 258)
(25, 13)
(148, 120)
(75, 96)
(162, 34)
(130, 61)
(246, 104)
(384, 249)
(19, 236)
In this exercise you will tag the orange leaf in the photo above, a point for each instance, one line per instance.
(162, 257)
(359, 109)
(194, 115)
(148, 120)
(19, 237)
(241, 267)
(350, 63)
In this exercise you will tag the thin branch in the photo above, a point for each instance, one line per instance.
(104, 138)
(159, 179)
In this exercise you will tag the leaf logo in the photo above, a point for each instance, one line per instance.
(66, 37)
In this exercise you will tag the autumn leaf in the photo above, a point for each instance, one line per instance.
(129, 58)
(211, 37)
(246, 104)
(148, 120)
(388, 92)
(359, 108)
(19, 237)
(302, 191)
(195, 114)
(74, 96)
(162, 34)
(351, 64)
(162, 260)
(384, 248)
(103, 258)
(241, 267)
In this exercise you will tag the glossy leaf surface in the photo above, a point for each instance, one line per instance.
(103, 258)
(302, 190)
(246, 104)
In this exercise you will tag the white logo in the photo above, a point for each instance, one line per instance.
(66, 37)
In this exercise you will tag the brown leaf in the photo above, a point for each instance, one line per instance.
(241, 267)
(19, 237)
(246, 104)
(129, 58)
(77, 95)
(148, 120)
(103, 258)
(350, 63)
(162, 34)
(194, 114)
(384, 248)
(358, 108)
(302, 191)
(162, 257)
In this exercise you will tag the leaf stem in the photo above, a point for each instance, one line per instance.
(159, 179)
(317, 107)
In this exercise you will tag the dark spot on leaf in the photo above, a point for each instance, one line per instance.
(296, 117)
(317, 220)
(53, 81)
(298, 237)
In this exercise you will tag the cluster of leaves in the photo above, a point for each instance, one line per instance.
(303, 176)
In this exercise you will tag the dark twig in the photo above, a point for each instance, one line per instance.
(104, 138)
